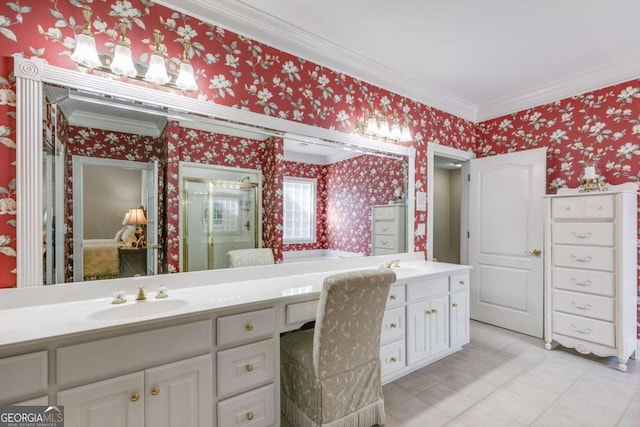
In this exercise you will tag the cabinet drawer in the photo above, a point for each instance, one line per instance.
(24, 374)
(593, 258)
(385, 242)
(384, 227)
(459, 282)
(392, 357)
(599, 207)
(427, 288)
(244, 367)
(384, 212)
(583, 233)
(567, 207)
(593, 282)
(301, 312)
(382, 251)
(583, 328)
(396, 296)
(245, 326)
(584, 305)
(255, 408)
(393, 325)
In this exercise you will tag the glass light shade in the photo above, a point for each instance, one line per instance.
(372, 126)
(157, 72)
(186, 80)
(122, 63)
(85, 52)
(395, 131)
(384, 131)
(405, 134)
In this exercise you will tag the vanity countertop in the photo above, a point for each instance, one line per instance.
(29, 315)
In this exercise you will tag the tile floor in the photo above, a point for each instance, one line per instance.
(503, 378)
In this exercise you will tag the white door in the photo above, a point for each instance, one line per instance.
(180, 394)
(117, 402)
(506, 220)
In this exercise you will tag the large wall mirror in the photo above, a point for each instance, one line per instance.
(94, 154)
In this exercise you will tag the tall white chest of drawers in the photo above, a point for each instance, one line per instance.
(591, 277)
(387, 229)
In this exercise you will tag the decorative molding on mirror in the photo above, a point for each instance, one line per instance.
(29, 129)
(30, 77)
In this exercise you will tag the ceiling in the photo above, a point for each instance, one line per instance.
(476, 59)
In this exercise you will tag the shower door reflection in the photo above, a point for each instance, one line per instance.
(219, 216)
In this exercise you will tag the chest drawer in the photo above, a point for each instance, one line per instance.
(392, 357)
(393, 325)
(396, 296)
(384, 212)
(245, 326)
(459, 282)
(244, 367)
(385, 242)
(593, 282)
(583, 233)
(593, 258)
(384, 227)
(594, 207)
(583, 328)
(593, 306)
(255, 408)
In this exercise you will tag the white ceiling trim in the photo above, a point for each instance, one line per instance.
(598, 78)
(245, 20)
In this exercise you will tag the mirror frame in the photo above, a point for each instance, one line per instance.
(30, 76)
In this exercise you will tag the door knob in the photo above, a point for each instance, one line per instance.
(535, 252)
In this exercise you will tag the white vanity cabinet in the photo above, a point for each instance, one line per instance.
(387, 229)
(246, 367)
(178, 394)
(591, 279)
(428, 328)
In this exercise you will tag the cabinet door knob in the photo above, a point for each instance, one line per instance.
(392, 297)
(434, 311)
(250, 415)
(135, 397)
(155, 390)
(249, 327)
(462, 282)
(393, 360)
(455, 304)
(249, 367)
(427, 312)
(393, 325)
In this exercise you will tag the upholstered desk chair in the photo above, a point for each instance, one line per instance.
(248, 257)
(330, 375)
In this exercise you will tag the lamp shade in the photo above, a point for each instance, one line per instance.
(186, 80)
(135, 216)
(123, 62)
(85, 52)
(157, 72)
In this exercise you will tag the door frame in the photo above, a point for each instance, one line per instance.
(433, 150)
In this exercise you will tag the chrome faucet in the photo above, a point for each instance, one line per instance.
(392, 263)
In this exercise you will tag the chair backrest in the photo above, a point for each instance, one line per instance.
(349, 319)
(249, 257)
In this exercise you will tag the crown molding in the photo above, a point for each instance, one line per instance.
(243, 19)
(577, 84)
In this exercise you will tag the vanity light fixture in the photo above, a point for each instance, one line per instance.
(85, 52)
(186, 79)
(157, 72)
(383, 130)
(122, 63)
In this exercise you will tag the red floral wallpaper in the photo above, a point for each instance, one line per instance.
(603, 125)
(271, 155)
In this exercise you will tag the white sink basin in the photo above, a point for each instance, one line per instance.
(138, 309)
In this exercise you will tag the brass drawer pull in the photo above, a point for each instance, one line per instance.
(455, 304)
(250, 415)
(249, 327)
(392, 297)
(462, 282)
(427, 312)
(249, 367)
(434, 311)
(393, 360)
(135, 397)
(155, 391)
(393, 325)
